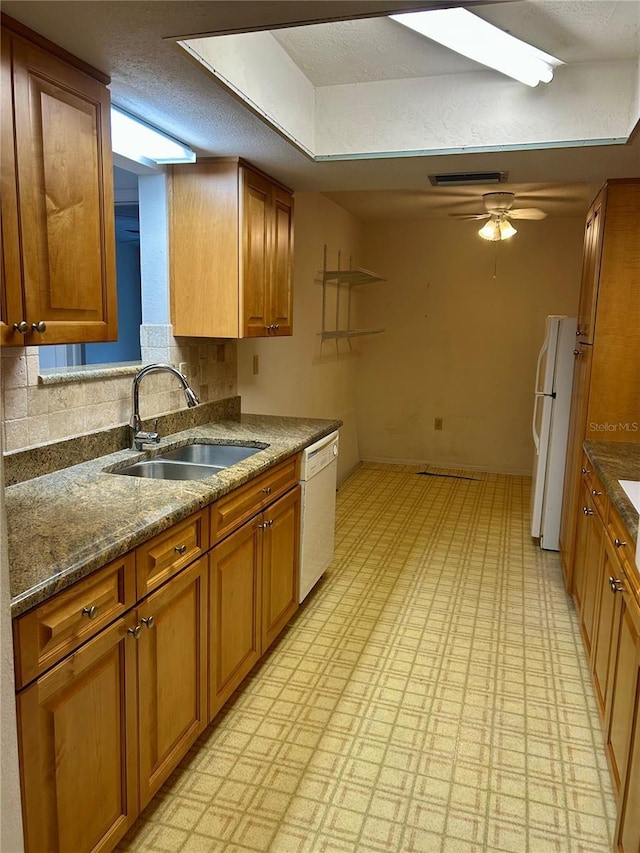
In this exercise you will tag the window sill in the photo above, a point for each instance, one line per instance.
(83, 373)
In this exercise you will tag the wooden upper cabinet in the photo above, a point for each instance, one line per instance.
(58, 214)
(591, 269)
(231, 251)
(614, 391)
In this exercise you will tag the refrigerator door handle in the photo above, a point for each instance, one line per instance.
(536, 437)
(538, 394)
(543, 349)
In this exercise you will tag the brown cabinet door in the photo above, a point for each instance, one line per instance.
(12, 308)
(588, 563)
(591, 269)
(172, 672)
(604, 628)
(281, 283)
(624, 687)
(255, 263)
(573, 470)
(65, 185)
(77, 739)
(280, 567)
(629, 810)
(234, 593)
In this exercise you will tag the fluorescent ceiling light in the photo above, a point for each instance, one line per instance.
(476, 39)
(136, 140)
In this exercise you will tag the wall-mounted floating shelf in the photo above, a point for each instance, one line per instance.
(344, 280)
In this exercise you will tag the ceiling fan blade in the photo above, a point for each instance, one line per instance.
(470, 215)
(527, 213)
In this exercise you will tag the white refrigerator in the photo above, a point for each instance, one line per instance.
(551, 410)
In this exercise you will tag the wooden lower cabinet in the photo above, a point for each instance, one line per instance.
(100, 732)
(254, 578)
(603, 633)
(234, 595)
(172, 654)
(610, 623)
(589, 536)
(280, 566)
(102, 727)
(78, 746)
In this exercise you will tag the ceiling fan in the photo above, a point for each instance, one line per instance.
(499, 211)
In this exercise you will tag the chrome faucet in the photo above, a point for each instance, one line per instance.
(138, 437)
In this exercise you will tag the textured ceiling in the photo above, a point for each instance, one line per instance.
(134, 42)
(380, 49)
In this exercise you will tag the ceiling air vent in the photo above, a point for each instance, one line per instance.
(461, 179)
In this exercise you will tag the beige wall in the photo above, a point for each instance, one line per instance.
(464, 321)
(298, 376)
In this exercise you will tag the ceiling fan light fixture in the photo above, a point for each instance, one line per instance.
(467, 34)
(506, 229)
(490, 231)
(497, 228)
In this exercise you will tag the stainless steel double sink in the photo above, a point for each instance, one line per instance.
(191, 462)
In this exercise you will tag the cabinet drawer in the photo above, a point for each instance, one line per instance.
(169, 552)
(44, 635)
(596, 489)
(234, 509)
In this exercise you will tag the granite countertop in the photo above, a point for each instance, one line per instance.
(613, 461)
(68, 523)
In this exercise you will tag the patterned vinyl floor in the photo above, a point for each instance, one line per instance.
(430, 696)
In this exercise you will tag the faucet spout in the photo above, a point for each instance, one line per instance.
(138, 437)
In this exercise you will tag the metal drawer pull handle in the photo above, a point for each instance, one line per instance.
(267, 490)
(40, 326)
(616, 584)
(135, 632)
(149, 622)
(180, 549)
(587, 511)
(619, 543)
(595, 493)
(91, 612)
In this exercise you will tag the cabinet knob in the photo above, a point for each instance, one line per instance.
(91, 611)
(266, 524)
(595, 493)
(577, 352)
(616, 584)
(579, 333)
(619, 543)
(180, 549)
(22, 327)
(40, 326)
(149, 621)
(267, 490)
(586, 471)
(587, 511)
(276, 327)
(135, 632)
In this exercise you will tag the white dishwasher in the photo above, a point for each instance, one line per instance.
(317, 517)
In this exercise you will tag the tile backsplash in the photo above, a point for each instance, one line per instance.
(38, 409)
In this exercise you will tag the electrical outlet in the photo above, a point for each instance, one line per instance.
(256, 365)
(183, 367)
(437, 423)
